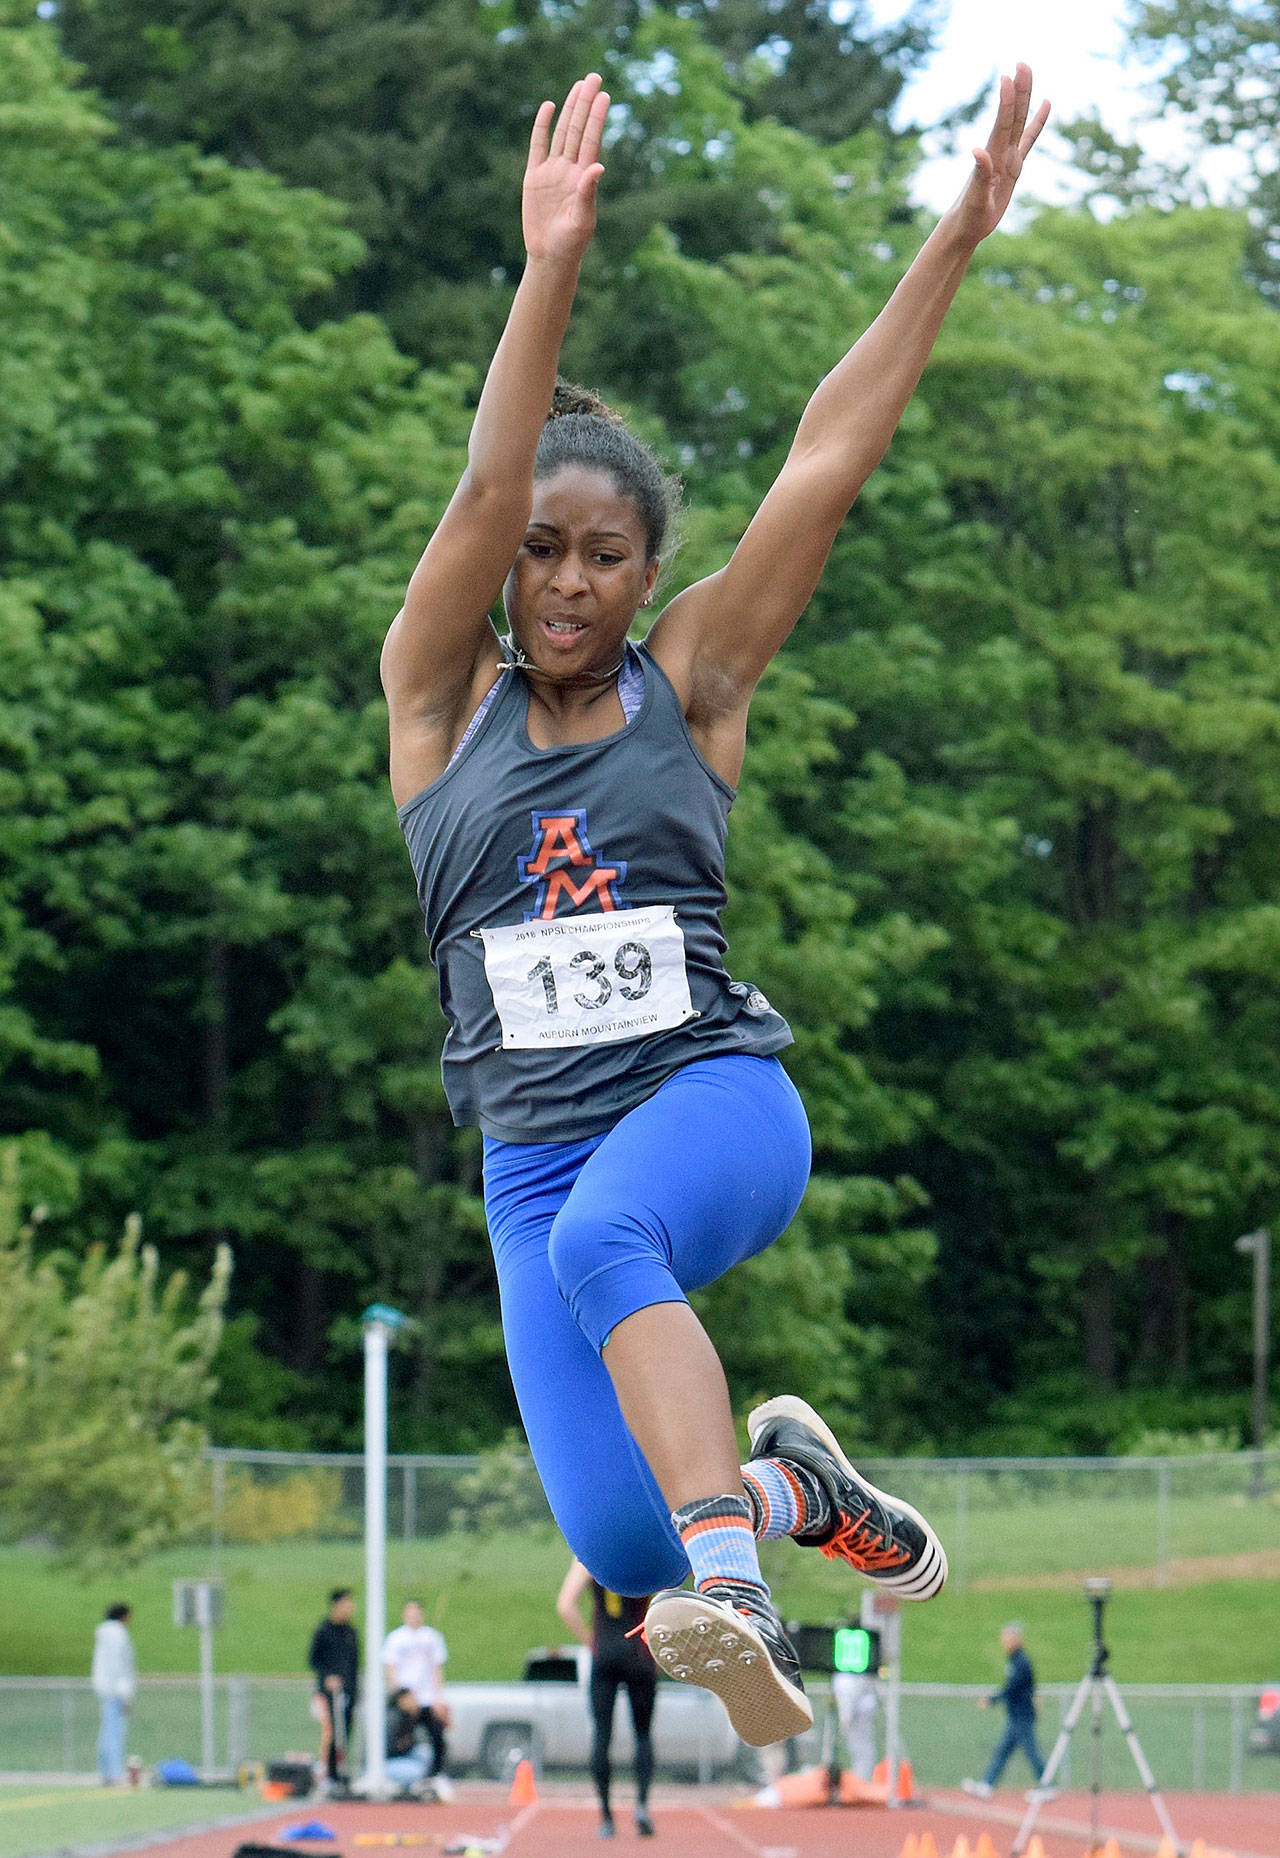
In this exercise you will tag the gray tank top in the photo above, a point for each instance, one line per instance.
(569, 895)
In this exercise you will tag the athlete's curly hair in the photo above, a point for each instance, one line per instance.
(582, 429)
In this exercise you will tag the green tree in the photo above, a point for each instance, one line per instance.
(206, 512)
(102, 1375)
(1066, 691)
(217, 970)
(1217, 61)
(417, 116)
(1040, 769)
(1003, 850)
(1220, 62)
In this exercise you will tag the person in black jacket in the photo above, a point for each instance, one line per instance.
(409, 1760)
(1018, 1694)
(335, 1659)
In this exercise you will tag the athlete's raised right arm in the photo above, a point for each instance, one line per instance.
(439, 648)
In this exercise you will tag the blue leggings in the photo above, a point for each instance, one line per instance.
(706, 1172)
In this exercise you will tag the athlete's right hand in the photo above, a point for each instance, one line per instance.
(559, 201)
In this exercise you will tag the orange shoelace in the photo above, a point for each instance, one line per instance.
(860, 1543)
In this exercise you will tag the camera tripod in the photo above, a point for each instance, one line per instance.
(1096, 1685)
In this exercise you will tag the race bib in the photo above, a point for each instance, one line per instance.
(588, 980)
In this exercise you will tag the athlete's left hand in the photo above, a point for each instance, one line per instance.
(996, 167)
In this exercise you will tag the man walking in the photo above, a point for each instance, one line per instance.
(114, 1683)
(1018, 1694)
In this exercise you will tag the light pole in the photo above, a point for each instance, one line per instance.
(380, 1324)
(1259, 1245)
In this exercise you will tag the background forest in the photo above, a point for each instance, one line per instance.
(1007, 848)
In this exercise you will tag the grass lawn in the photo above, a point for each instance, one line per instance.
(35, 1819)
(494, 1597)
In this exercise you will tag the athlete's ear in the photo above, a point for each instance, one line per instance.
(650, 579)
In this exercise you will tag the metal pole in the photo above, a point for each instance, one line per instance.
(219, 1506)
(879, 1611)
(380, 1323)
(960, 1563)
(1261, 1339)
(1163, 1507)
(1259, 1245)
(204, 1619)
(237, 1723)
(1235, 1771)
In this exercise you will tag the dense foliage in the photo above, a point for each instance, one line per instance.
(103, 1370)
(1005, 848)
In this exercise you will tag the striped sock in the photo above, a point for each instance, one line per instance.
(785, 1499)
(720, 1540)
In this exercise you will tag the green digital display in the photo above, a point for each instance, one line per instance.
(835, 1648)
(856, 1649)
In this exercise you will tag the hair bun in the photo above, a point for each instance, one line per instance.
(569, 398)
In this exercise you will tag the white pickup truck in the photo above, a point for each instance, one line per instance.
(546, 1717)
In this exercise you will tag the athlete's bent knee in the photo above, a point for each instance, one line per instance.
(629, 1560)
(584, 1247)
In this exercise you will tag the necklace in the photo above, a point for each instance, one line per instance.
(575, 680)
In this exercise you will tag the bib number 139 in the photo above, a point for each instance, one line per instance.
(588, 980)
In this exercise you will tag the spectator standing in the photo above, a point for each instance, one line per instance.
(413, 1658)
(1018, 1694)
(335, 1659)
(618, 1659)
(857, 1700)
(115, 1680)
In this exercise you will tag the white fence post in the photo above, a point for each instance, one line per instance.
(1164, 1495)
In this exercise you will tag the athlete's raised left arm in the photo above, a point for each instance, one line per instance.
(716, 638)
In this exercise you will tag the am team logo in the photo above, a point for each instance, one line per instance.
(567, 873)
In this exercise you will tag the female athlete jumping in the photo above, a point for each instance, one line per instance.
(564, 796)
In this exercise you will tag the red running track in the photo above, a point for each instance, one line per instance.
(708, 1824)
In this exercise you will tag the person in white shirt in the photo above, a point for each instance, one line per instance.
(413, 1658)
(115, 1680)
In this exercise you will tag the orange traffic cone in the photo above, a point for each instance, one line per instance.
(906, 1787)
(961, 1848)
(810, 1787)
(1111, 1849)
(854, 1791)
(1198, 1849)
(910, 1849)
(524, 1788)
(880, 1774)
(927, 1847)
(1166, 1848)
(986, 1846)
(1035, 1847)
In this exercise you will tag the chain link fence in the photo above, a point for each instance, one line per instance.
(1195, 1736)
(1003, 1519)
(1005, 1522)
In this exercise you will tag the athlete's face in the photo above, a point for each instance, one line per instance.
(581, 572)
